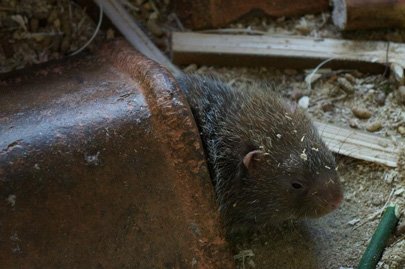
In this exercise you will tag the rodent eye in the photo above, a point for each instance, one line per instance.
(296, 185)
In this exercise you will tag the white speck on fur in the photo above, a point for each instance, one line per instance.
(303, 155)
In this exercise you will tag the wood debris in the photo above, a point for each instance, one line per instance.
(359, 145)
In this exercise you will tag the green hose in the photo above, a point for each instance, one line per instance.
(379, 240)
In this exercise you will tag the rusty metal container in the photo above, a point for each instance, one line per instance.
(101, 166)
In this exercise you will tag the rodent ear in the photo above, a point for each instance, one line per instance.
(251, 157)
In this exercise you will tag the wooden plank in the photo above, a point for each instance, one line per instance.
(284, 51)
(359, 145)
(130, 30)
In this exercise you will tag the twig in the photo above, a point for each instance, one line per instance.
(177, 20)
(241, 256)
(315, 70)
(94, 34)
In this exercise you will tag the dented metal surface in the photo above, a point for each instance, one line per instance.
(101, 166)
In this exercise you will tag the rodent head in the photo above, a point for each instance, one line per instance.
(296, 188)
(290, 174)
(270, 163)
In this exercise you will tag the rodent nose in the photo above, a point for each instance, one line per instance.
(336, 201)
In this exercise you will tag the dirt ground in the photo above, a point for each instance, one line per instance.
(45, 30)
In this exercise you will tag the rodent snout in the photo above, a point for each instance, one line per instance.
(334, 203)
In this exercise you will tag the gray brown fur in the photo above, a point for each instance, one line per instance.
(233, 122)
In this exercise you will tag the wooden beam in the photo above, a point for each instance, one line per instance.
(199, 14)
(284, 51)
(359, 145)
